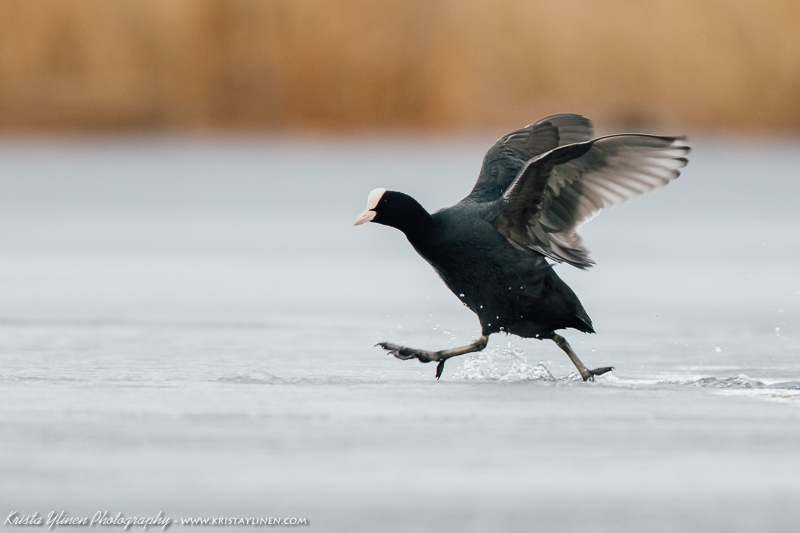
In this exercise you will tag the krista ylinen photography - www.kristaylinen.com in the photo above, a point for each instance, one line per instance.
(55, 519)
(100, 518)
(570, 301)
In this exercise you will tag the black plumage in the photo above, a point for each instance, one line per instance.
(537, 185)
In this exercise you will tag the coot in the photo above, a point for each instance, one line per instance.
(495, 248)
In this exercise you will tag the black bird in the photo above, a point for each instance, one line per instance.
(537, 185)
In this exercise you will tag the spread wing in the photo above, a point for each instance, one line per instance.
(505, 159)
(558, 191)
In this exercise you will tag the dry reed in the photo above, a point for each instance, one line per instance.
(411, 64)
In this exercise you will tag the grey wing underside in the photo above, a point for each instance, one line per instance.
(508, 156)
(556, 192)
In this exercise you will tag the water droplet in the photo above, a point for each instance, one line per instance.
(718, 349)
(461, 295)
(777, 332)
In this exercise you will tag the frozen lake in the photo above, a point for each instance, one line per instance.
(187, 326)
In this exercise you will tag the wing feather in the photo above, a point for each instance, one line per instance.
(556, 192)
(505, 159)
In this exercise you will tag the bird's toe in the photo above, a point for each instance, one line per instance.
(401, 352)
(389, 346)
(440, 369)
(405, 353)
(589, 376)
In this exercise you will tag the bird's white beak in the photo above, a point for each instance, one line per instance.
(365, 217)
(372, 202)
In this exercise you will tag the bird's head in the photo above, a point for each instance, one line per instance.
(371, 212)
(394, 209)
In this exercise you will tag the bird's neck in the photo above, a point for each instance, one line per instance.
(417, 224)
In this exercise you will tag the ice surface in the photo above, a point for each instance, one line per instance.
(189, 326)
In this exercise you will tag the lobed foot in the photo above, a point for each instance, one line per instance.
(590, 374)
(424, 356)
(405, 353)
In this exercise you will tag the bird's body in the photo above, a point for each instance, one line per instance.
(510, 290)
(494, 249)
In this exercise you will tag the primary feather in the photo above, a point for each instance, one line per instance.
(557, 191)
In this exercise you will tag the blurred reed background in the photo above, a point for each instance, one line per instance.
(397, 64)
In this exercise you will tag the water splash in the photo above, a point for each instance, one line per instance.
(259, 377)
(742, 385)
(741, 381)
(256, 377)
(507, 364)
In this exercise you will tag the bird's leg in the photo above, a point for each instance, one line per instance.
(424, 356)
(586, 374)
